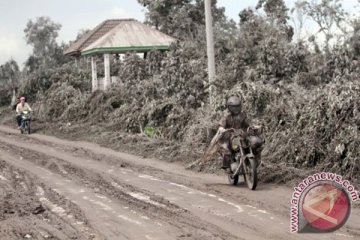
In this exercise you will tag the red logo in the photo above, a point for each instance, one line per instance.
(326, 207)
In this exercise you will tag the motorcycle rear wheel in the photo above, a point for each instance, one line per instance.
(250, 174)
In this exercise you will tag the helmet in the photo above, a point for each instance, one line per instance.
(234, 105)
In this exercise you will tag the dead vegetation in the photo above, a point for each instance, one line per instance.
(307, 99)
(312, 128)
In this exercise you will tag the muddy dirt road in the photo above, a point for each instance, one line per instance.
(57, 189)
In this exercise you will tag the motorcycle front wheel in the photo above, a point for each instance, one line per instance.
(233, 180)
(250, 174)
(27, 127)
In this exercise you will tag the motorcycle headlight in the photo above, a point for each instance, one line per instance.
(235, 147)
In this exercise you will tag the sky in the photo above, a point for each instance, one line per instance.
(75, 15)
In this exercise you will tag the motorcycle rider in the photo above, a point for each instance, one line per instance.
(237, 120)
(20, 107)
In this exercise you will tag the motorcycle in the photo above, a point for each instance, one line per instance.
(25, 122)
(243, 161)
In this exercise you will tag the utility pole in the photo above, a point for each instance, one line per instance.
(210, 49)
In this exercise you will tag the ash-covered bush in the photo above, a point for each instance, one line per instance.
(306, 99)
(41, 80)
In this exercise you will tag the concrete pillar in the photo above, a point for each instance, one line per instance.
(107, 71)
(94, 81)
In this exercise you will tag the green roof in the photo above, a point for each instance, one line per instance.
(123, 49)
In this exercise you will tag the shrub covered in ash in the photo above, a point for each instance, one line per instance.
(308, 124)
(41, 80)
(307, 101)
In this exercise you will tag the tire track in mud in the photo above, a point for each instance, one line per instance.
(210, 210)
(143, 165)
(166, 171)
(226, 215)
(153, 212)
(23, 214)
(114, 220)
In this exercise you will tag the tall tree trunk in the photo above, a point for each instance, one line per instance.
(13, 97)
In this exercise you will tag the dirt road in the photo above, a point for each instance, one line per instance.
(57, 189)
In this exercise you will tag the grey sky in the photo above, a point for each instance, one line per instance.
(81, 14)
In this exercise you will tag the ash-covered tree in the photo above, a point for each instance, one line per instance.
(277, 14)
(265, 51)
(330, 18)
(355, 39)
(9, 81)
(298, 18)
(81, 33)
(184, 19)
(41, 34)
